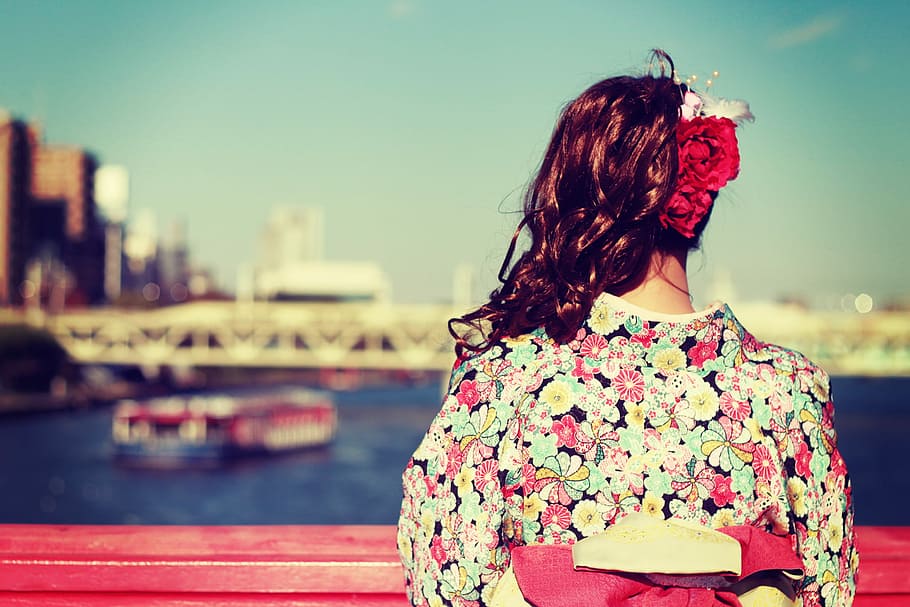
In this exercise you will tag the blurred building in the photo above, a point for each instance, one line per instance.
(292, 265)
(140, 248)
(49, 229)
(174, 265)
(293, 234)
(324, 281)
(112, 193)
(15, 173)
(63, 176)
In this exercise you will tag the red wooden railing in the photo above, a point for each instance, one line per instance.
(280, 566)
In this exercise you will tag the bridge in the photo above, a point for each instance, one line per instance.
(261, 334)
(371, 335)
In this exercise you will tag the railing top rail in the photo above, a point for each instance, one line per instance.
(278, 559)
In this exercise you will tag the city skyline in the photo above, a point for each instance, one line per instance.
(416, 126)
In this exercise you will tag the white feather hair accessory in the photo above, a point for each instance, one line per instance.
(736, 110)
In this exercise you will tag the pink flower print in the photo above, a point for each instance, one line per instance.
(481, 433)
(529, 475)
(493, 570)
(437, 551)
(452, 527)
(613, 504)
(646, 336)
(702, 351)
(722, 494)
(752, 344)
(497, 368)
(486, 473)
(697, 482)
(623, 471)
(476, 451)
(727, 444)
(487, 390)
(780, 404)
(467, 394)
(565, 430)
(593, 346)
(838, 466)
(733, 408)
(581, 370)
(630, 385)
(556, 514)
(679, 415)
(592, 437)
(562, 478)
(454, 460)
(430, 482)
(534, 382)
(762, 463)
(803, 457)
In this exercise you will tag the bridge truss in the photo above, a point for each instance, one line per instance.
(345, 335)
(408, 337)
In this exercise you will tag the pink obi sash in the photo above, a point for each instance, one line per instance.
(643, 561)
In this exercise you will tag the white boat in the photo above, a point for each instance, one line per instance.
(214, 427)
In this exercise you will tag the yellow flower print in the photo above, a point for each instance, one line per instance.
(821, 387)
(669, 359)
(635, 416)
(723, 518)
(427, 521)
(601, 320)
(464, 480)
(404, 544)
(762, 388)
(533, 506)
(796, 496)
(752, 426)
(557, 395)
(652, 504)
(835, 533)
(436, 601)
(587, 519)
(704, 403)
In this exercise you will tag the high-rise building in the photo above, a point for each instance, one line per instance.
(66, 173)
(64, 176)
(15, 148)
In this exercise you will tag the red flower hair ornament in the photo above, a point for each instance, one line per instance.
(708, 158)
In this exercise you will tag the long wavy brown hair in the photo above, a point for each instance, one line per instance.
(592, 211)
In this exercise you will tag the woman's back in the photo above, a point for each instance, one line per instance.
(683, 416)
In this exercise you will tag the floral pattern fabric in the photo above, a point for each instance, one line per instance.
(687, 417)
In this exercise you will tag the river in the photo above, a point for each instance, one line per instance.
(57, 468)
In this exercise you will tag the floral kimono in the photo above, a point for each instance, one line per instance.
(678, 416)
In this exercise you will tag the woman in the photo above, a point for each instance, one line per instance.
(588, 388)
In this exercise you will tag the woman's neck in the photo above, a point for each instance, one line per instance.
(665, 288)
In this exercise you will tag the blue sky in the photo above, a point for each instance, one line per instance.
(416, 124)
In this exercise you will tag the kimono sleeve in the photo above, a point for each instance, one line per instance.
(453, 511)
(821, 499)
